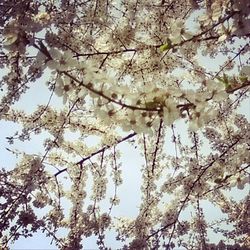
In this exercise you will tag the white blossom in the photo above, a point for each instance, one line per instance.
(61, 61)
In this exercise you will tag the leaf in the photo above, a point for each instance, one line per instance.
(166, 46)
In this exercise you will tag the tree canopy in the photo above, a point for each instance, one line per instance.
(126, 72)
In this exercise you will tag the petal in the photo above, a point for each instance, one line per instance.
(55, 54)
(52, 64)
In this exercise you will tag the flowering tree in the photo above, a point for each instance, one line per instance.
(127, 72)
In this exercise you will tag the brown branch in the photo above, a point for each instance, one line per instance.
(157, 145)
(110, 52)
(231, 60)
(97, 152)
(245, 84)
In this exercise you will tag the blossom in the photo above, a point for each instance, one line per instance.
(176, 30)
(170, 112)
(133, 121)
(41, 200)
(239, 181)
(10, 38)
(64, 87)
(217, 10)
(40, 60)
(61, 61)
(245, 71)
(218, 90)
(15, 37)
(42, 17)
(107, 113)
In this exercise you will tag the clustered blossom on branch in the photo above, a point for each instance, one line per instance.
(127, 72)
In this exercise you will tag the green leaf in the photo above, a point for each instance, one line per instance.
(166, 46)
